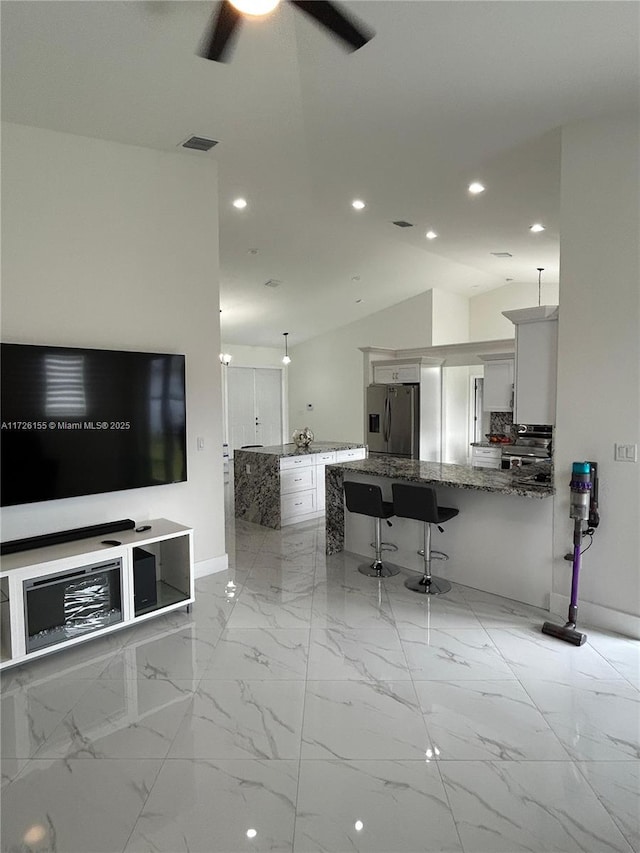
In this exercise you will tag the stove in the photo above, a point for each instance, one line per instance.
(533, 443)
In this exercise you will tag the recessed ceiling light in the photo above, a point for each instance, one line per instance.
(537, 227)
(431, 235)
(355, 278)
(475, 188)
(252, 251)
(501, 254)
(240, 203)
(359, 300)
(357, 204)
(273, 282)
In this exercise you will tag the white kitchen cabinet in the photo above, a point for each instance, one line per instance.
(536, 364)
(298, 499)
(302, 482)
(323, 459)
(386, 373)
(497, 394)
(351, 455)
(486, 457)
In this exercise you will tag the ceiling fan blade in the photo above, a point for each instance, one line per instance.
(219, 38)
(327, 14)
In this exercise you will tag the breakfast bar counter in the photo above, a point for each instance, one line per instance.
(500, 542)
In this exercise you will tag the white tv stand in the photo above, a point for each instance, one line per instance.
(172, 546)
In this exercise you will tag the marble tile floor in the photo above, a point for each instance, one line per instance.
(301, 706)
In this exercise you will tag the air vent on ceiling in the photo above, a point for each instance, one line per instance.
(273, 282)
(402, 223)
(501, 254)
(199, 143)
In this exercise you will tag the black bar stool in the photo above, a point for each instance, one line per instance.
(366, 499)
(421, 503)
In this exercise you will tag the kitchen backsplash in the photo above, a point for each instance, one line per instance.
(501, 423)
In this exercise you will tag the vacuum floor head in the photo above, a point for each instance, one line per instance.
(566, 632)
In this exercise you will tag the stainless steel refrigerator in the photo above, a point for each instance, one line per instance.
(393, 420)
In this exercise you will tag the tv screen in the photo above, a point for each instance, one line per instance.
(85, 421)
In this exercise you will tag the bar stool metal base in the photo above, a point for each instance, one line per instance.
(428, 586)
(378, 569)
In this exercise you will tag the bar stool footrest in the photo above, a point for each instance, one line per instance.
(384, 546)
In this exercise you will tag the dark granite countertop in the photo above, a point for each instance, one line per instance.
(491, 444)
(293, 449)
(515, 481)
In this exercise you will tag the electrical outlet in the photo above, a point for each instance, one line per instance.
(625, 452)
(247, 469)
(200, 442)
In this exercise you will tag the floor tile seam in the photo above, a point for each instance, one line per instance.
(545, 718)
(612, 817)
(450, 807)
(143, 806)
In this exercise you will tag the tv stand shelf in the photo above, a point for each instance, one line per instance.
(57, 596)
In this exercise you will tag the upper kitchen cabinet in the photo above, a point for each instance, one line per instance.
(497, 394)
(535, 364)
(388, 372)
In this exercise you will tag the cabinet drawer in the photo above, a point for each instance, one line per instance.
(298, 504)
(326, 458)
(287, 462)
(487, 453)
(350, 455)
(297, 480)
(483, 462)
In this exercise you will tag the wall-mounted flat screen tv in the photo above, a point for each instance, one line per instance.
(86, 421)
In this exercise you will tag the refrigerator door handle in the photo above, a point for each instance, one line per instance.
(385, 423)
(388, 419)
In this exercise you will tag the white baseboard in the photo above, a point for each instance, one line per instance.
(212, 566)
(598, 616)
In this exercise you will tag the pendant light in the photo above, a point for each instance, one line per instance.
(285, 357)
(540, 271)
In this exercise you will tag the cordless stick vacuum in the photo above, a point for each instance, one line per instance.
(583, 507)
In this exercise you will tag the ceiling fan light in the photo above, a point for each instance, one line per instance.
(255, 8)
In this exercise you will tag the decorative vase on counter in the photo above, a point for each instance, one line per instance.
(303, 437)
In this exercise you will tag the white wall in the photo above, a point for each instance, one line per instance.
(115, 246)
(254, 356)
(599, 354)
(456, 398)
(486, 322)
(327, 371)
(451, 318)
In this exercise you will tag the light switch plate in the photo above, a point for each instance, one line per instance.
(625, 452)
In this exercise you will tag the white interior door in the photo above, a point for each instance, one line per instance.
(254, 406)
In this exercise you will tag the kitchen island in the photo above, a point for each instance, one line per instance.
(501, 542)
(284, 484)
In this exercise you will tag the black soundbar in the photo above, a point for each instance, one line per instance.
(16, 545)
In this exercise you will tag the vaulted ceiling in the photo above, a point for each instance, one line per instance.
(445, 93)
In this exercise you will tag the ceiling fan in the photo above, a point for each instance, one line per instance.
(225, 24)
